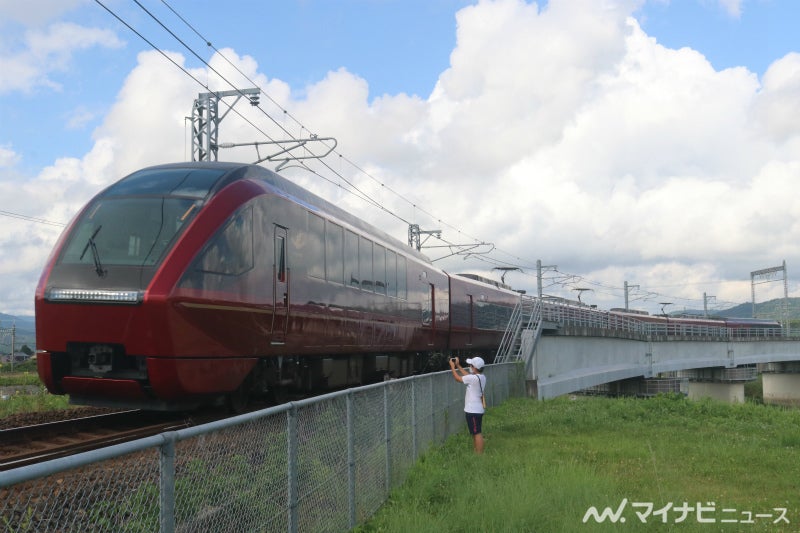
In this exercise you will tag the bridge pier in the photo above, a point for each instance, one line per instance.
(781, 383)
(726, 392)
(718, 383)
(531, 388)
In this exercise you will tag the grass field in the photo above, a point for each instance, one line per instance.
(24, 375)
(660, 464)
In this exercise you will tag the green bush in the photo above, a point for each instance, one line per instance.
(28, 366)
(26, 403)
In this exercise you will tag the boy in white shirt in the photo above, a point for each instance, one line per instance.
(473, 398)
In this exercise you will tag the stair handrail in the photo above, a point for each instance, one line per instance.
(512, 329)
(526, 315)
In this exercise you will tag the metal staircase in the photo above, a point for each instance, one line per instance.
(522, 333)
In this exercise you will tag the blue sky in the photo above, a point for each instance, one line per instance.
(570, 101)
(762, 32)
(397, 46)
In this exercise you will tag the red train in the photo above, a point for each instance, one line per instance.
(193, 283)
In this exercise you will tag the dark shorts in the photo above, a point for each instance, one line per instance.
(474, 423)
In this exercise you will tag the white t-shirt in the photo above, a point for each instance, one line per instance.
(472, 398)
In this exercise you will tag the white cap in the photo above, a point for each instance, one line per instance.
(477, 362)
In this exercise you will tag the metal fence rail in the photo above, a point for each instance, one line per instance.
(322, 464)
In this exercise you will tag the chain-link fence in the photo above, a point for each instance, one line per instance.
(323, 464)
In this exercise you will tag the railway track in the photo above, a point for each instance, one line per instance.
(29, 445)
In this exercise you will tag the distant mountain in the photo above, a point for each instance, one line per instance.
(27, 322)
(24, 334)
(770, 309)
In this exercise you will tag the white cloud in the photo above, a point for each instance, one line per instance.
(8, 157)
(778, 103)
(145, 126)
(79, 117)
(36, 12)
(47, 51)
(732, 7)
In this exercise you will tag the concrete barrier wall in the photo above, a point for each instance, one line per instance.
(567, 363)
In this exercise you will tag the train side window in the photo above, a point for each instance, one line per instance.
(391, 273)
(365, 263)
(351, 258)
(401, 277)
(427, 306)
(334, 249)
(280, 257)
(379, 265)
(314, 253)
(230, 251)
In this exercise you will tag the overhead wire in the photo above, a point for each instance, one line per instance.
(361, 194)
(31, 219)
(204, 85)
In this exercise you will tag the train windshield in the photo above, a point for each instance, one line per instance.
(191, 182)
(128, 231)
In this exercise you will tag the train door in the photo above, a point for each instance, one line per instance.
(280, 287)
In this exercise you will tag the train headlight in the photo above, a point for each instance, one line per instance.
(91, 295)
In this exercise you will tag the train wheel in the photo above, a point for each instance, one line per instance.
(278, 395)
(238, 400)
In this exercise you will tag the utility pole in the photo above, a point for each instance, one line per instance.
(206, 119)
(767, 275)
(539, 270)
(626, 293)
(13, 339)
(786, 298)
(414, 235)
(706, 298)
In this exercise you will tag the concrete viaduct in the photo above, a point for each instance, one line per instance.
(567, 347)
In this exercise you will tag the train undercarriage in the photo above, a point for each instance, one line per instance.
(102, 375)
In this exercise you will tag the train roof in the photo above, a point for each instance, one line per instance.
(202, 180)
(487, 281)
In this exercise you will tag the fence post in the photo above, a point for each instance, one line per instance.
(448, 413)
(291, 438)
(351, 460)
(414, 419)
(167, 484)
(491, 388)
(433, 412)
(388, 437)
